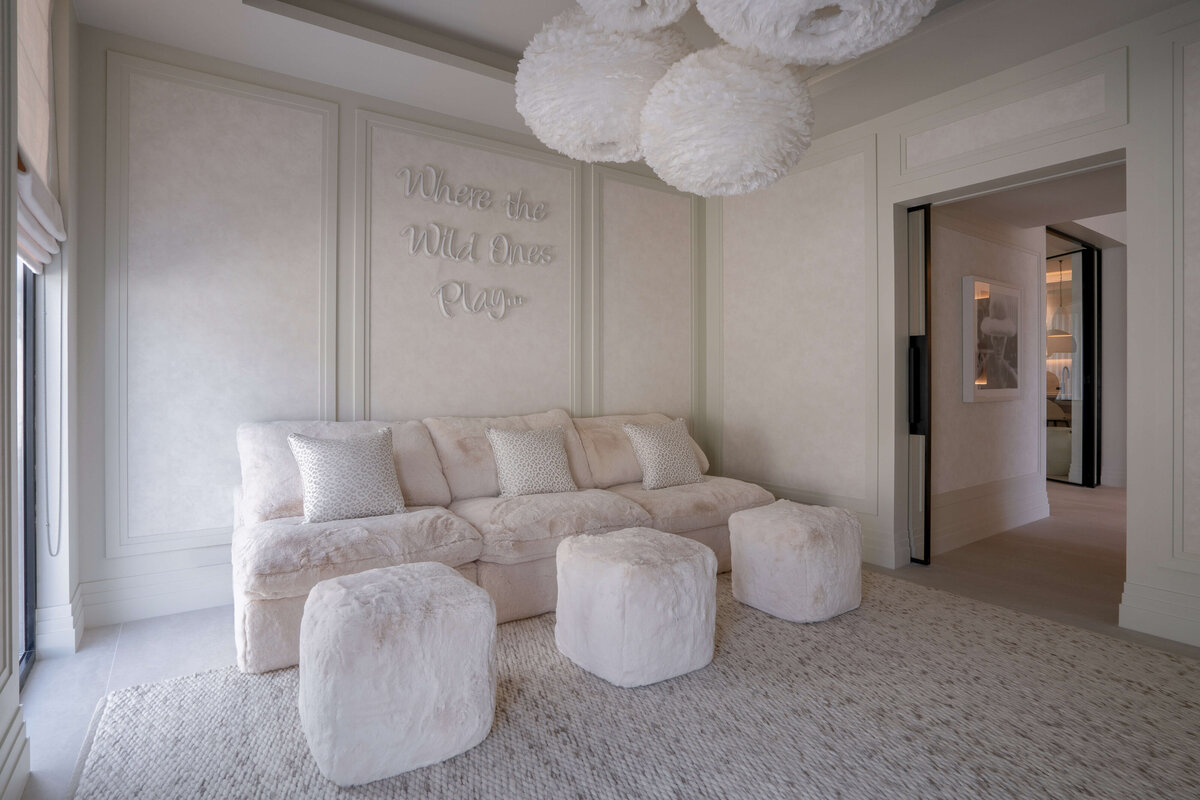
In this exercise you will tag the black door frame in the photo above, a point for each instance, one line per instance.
(1090, 362)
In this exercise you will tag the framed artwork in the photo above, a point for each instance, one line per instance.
(991, 340)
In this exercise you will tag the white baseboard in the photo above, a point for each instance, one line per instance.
(878, 547)
(116, 600)
(1159, 612)
(59, 628)
(14, 744)
(1112, 476)
(967, 515)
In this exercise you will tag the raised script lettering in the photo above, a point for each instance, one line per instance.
(516, 208)
(439, 241)
(429, 183)
(495, 301)
(506, 251)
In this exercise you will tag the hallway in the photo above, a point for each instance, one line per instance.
(1069, 567)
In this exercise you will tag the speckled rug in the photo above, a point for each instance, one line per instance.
(918, 693)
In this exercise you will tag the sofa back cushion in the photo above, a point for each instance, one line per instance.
(271, 485)
(609, 453)
(466, 455)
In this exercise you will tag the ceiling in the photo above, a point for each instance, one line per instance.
(1085, 194)
(505, 27)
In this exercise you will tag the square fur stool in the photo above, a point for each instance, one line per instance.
(397, 670)
(636, 606)
(800, 563)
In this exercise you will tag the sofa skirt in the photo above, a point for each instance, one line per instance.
(267, 632)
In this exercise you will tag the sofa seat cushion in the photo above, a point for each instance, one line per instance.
(678, 509)
(519, 529)
(287, 557)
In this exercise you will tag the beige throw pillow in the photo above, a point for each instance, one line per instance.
(531, 462)
(347, 478)
(665, 454)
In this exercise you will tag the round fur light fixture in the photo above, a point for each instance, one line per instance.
(726, 121)
(635, 15)
(581, 88)
(813, 32)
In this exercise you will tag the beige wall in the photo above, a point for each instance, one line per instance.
(247, 259)
(1114, 388)
(988, 474)
(799, 332)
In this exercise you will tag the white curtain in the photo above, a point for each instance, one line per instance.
(39, 217)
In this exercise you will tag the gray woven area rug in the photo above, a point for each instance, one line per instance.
(918, 693)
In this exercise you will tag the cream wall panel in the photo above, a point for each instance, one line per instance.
(799, 332)
(983, 442)
(1079, 99)
(421, 359)
(220, 220)
(1190, 111)
(644, 316)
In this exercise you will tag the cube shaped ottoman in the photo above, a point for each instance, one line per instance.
(636, 606)
(800, 563)
(396, 670)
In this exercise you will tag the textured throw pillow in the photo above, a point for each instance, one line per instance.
(531, 462)
(347, 478)
(665, 454)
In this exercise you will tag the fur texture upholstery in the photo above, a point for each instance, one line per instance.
(637, 606)
(725, 121)
(610, 453)
(529, 527)
(397, 670)
(692, 506)
(635, 15)
(799, 563)
(581, 88)
(813, 31)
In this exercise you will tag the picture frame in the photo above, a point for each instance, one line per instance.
(991, 340)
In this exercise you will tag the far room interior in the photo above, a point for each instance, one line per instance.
(544, 398)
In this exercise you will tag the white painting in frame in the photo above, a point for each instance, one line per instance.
(991, 340)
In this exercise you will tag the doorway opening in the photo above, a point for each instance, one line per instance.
(989, 482)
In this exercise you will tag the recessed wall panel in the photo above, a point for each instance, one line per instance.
(645, 308)
(221, 270)
(799, 401)
(1191, 303)
(469, 275)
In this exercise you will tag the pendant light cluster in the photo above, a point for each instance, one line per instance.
(616, 80)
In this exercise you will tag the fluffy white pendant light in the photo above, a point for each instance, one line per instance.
(581, 88)
(813, 31)
(635, 15)
(725, 121)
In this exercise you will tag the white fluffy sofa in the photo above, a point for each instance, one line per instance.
(455, 517)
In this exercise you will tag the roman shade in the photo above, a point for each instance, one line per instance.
(39, 217)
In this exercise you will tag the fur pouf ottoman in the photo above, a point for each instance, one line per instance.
(636, 606)
(799, 563)
(396, 670)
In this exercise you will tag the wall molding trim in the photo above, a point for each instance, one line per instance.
(14, 745)
(59, 628)
(1110, 68)
(967, 515)
(594, 401)
(365, 123)
(119, 541)
(1171, 615)
(116, 600)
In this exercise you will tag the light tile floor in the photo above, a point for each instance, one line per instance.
(62, 692)
(1069, 567)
